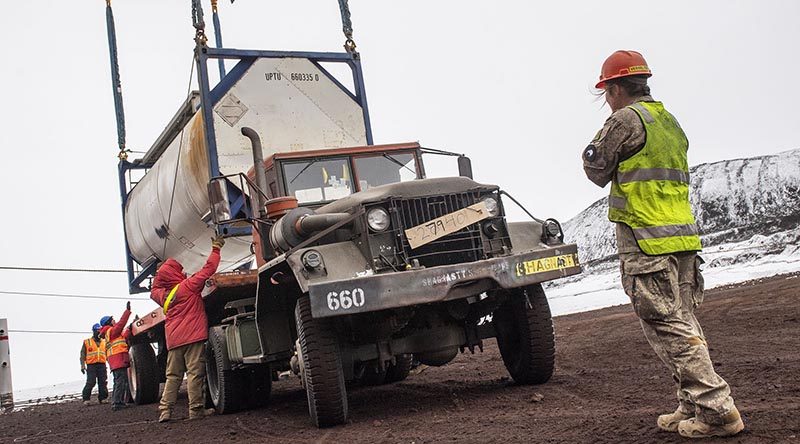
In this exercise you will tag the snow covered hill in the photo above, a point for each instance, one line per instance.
(733, 200)
(748, 212)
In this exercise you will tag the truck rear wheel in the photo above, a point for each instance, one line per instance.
(399, 370)
(525, 335)
(143, 374)
(322, 367)
(225, 387)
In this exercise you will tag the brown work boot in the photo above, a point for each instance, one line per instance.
(694, 428)
(200, 414)
(669, 422)
(165, 416)
(87, 402)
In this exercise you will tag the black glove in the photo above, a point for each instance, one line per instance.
(128, 306)
(83, 370)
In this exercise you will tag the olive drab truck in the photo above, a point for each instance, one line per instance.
(344, 262)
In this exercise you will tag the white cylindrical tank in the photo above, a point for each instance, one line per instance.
(290, 102)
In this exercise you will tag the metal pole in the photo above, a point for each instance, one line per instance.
(218, 36)
(115, 80)
(6, 392)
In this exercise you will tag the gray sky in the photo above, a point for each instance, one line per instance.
(508, 83)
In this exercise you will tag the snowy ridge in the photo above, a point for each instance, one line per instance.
(733, 200)
(748, 212)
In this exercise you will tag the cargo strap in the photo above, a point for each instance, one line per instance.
(170, 297)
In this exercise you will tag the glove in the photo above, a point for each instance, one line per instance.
(128, 306)
(83, 370)
(217, 242)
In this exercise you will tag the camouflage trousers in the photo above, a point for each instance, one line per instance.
(664, 291)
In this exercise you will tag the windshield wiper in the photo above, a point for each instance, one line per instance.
(303, 170)
(399, 163)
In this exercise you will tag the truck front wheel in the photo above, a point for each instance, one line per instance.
(525, 335)
(322, 367)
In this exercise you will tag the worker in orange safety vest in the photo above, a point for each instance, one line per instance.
(93, 365)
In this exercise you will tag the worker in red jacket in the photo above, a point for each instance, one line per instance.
(186, 330)
(116, 336)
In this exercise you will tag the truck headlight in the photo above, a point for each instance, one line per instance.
(491, 206)
(378, 219)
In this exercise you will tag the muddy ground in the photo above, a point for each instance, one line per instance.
(608, 387)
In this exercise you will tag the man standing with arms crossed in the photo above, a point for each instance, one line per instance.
(93, 365)
(186, 329)
(642, 151)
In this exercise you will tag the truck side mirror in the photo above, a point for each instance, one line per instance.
(218, 197)
(464, 167)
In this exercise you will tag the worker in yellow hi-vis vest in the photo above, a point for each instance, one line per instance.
(642, 151)
(93, 365)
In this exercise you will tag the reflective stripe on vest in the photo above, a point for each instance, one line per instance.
(653, 174)
(117, 346)
(95, 354)
(650, 190)
(170, 297)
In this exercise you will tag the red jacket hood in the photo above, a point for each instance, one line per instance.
(169, 275)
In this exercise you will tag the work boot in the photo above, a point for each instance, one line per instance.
(87, 402)
(669, 422)
(694, 428)
(104, 401)
(200, 414)
(165, 416)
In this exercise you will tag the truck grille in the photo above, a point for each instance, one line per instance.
(465, 245)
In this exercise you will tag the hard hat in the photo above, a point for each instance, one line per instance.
(623, 64)
(104, 320)
(95, 327)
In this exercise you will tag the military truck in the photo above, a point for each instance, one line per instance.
(343, 262)
(370, 263)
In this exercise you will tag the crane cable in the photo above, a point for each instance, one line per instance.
(347, 28)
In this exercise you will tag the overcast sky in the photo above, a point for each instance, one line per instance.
(509, 83)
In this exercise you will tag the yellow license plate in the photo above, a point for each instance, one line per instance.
(544, 264)
(449, 223)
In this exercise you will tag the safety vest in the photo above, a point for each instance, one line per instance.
(650, 191)
(95, 354)
(117, 346)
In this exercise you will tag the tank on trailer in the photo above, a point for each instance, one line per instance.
(293, 103)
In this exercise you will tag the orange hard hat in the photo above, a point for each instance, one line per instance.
(623, 64)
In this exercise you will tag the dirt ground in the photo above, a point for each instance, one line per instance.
(608, 387)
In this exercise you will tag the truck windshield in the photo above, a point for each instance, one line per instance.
(318, 180)
(385, 168)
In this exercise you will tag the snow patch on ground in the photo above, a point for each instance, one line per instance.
(761, 256)
(51, 393)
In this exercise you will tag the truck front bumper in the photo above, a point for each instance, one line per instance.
(437, 284)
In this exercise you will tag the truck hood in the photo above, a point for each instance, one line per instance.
(404, 190)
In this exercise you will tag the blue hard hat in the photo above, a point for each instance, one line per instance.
(95, 327)
(104, 320)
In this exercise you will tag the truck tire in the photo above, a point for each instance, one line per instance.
(525, 335)
(143, 378)
(225, 387)
(399, 370)
(373, 375)
(322, 367)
